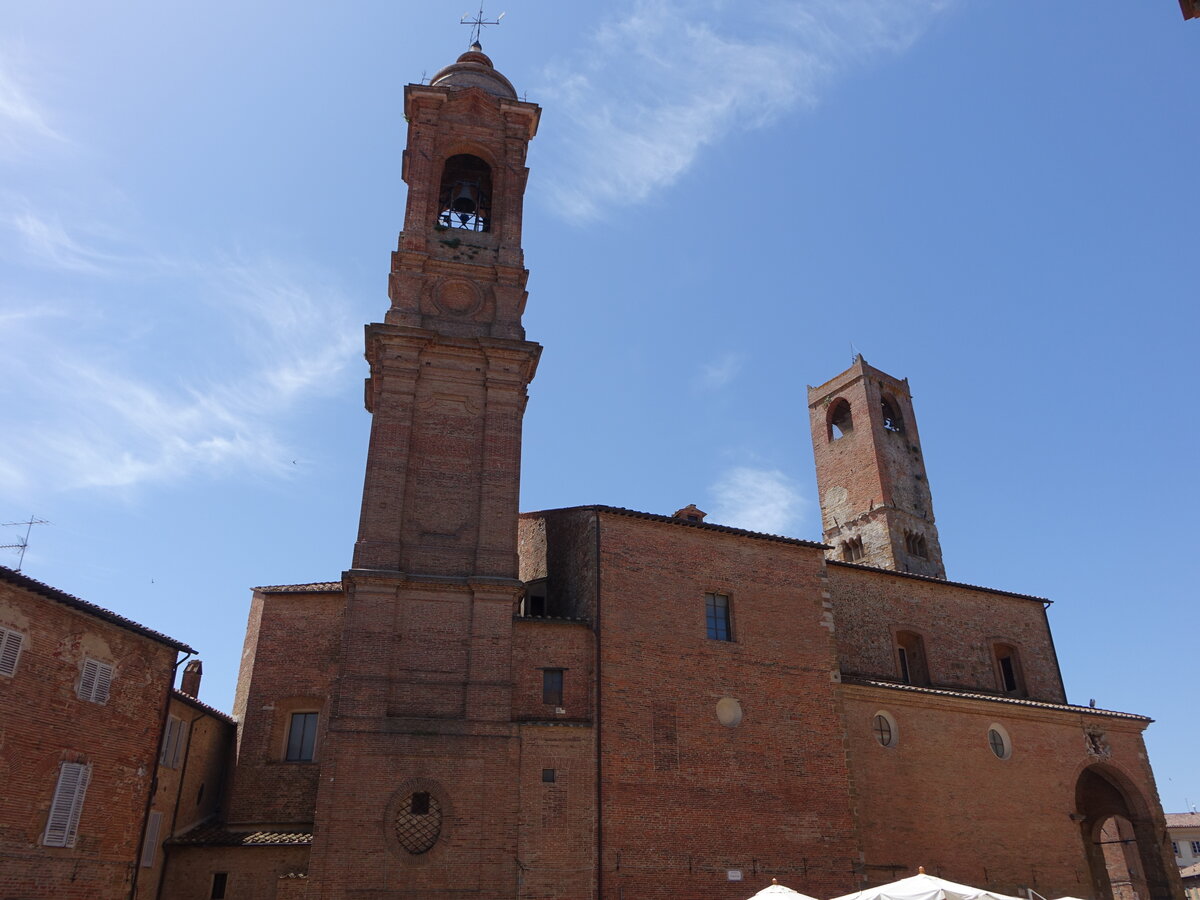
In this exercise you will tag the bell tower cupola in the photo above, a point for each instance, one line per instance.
(876, 506)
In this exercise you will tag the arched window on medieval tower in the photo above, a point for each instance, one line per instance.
(841, 422)
(891, 417)
(465, 195)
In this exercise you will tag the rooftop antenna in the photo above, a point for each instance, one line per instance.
(24, 542)
(478, 22)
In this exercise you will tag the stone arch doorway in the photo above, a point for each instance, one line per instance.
(1126, 854)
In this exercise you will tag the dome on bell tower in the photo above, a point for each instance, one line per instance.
(474, 69)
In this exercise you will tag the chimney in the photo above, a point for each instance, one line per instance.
(691, 513)
(190, 684)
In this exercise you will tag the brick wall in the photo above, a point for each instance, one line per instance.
(189, 792)
(288, 669)
(253, 873)
(959, 626)
(683, 798)
(44, 723)
(940, 797)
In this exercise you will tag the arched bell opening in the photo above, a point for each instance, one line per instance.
(465, 195)
(840, 421)
(891, 416)
(1126, 857)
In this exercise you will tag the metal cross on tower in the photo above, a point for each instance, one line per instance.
(478, 22)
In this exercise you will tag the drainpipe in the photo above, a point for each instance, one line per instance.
(162, 736)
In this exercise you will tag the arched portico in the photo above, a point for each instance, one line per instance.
(1126, 849)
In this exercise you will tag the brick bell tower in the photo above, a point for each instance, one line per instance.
(418, 781)
(876, 507)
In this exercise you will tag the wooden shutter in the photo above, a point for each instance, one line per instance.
(170, 743)
(95, 681)
(63, 821)
(10, 650)
(150, 845)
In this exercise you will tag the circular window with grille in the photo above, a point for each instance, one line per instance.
(418, 822)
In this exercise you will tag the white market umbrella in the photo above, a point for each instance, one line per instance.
(777, 891)
(925, 887)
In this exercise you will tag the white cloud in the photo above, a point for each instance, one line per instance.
(722, 370)
(92, 413)
(20, 118)
(672, 76)
(757, 499)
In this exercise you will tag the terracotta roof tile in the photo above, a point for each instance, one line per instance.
(685, 523)
(992, 698)
(1183, 820)
(313, 587)
(203, 707)
(219, 836)
(32, 584)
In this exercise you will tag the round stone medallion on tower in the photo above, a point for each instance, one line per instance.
(474, 69)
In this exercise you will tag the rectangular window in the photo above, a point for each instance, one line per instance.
(95, 680)
(10, 650)
(1195, 848)
(302, 737)
(1008, 674)
(63, 821)
(1175, 847)
(552, 687)
(150, 845)
(549, 776)
(218, 888)
(716, 613)
(173, 743)
(905, 673)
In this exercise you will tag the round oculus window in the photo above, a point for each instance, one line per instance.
(883, 726)
(999, 741)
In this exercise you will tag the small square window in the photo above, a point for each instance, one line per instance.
(549, 776)
(1195, 848)
(302, 737)
(552, 687)
(716, 614)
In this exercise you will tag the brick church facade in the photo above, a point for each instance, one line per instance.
(601, 703)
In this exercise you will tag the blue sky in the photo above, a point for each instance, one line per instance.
(996, 199)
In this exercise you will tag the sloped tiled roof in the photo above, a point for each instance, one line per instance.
(32, 584)
(992, 698)
(1183, 820)
(219, 836)
(684, 523)
(961, 584)
(313, 587)
(203, 707)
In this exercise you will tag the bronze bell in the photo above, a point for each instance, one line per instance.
(464, 198)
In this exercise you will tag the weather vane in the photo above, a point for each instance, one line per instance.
(478, 22)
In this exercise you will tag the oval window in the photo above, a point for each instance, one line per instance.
(1000, 742)
(419, 822)
(885, 730)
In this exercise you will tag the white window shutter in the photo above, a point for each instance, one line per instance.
(170, 740)
(87, 681)
(10, 651)
(95, 681)
(103, 680)
(150, 845)
(180, 744)
(63, 821)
